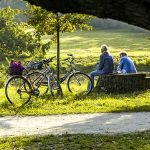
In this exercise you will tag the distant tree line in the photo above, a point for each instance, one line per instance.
(99, 23)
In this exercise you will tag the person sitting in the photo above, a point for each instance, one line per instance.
(125, 64)
(104, 66)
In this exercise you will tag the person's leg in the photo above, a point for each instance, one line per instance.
(92, 75)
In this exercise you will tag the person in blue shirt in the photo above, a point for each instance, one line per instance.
(125, 64)
(104, 66)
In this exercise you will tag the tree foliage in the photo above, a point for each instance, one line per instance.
(135, 12)
(46, 22)
(13, 36)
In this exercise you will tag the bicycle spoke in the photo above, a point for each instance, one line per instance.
(16, 92)
(78, 83)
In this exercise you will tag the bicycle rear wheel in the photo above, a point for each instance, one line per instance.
(38, 81)
(54, 86)
(78, 83)
(15, 90)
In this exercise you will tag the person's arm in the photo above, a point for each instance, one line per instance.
(101, 62)
(120, 64)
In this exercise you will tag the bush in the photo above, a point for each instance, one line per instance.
(3, 75)
(14, 38)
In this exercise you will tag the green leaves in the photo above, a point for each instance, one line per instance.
(46, 22)
(14, 39)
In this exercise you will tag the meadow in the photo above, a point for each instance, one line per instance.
(86, 48)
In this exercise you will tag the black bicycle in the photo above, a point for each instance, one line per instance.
(77, 81)
(19, 89)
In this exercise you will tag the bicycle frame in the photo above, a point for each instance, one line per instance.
(40, 78)
(70, 71)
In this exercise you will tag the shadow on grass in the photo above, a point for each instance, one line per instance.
(82, 141)
(97, 94)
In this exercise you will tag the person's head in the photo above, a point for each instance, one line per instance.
(104, 48)
(122, 54)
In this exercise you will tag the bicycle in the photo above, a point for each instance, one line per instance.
(77, 81)
(19, 89)
(39, 79)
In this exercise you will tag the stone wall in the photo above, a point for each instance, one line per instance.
(120, 83)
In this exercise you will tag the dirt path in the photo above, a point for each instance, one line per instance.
(103, 123)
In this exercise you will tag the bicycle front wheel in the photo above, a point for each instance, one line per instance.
(18, 90)
(78, 83)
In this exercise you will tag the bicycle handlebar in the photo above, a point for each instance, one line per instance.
(46, 61)
(71, 57)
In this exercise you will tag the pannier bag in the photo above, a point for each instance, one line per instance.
(15, 68)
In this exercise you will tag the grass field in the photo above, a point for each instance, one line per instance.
(79, 43)
(136, 141)
(85, 46)
(131, 102)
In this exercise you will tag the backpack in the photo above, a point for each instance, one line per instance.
(15, 68)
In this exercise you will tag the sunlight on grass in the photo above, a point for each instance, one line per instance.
(115, 39)
(46, 105)
(71, 39)
(86, 45)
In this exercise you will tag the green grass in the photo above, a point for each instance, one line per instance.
(136, 141)
(87, 43)
(131, 102)
(85, 47)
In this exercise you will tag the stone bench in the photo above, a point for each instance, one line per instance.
(120, 83)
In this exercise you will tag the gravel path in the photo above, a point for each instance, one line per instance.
(103, 123)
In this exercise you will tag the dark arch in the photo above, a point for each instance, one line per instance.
(135, 12)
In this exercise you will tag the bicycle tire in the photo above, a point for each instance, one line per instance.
(55, 87)
(38, 81)
(18, 96)
(76, 82)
